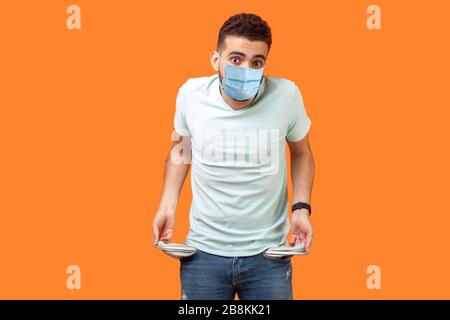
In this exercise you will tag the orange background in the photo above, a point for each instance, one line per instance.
(85, 125)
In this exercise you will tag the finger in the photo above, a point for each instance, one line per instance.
(168, 229)
(166, 237)
(301, 237)
(155, 234)
(293, 240)
(167, 232)
(308, 242)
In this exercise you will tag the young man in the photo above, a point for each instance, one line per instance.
(234, 126)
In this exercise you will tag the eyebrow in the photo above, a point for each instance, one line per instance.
(243, 54)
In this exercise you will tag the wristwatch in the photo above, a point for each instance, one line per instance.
(301, 205)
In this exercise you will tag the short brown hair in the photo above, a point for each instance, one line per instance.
(247, 25)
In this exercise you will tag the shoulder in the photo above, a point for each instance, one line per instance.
(284, 85)
(197, 84)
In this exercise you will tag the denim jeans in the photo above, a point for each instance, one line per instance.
(211, 277)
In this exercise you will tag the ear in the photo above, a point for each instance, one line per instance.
(215, 57)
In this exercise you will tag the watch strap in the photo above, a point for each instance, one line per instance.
(301, 205)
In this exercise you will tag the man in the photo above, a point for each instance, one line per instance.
(236, 123)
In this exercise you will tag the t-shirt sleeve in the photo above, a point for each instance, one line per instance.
(179, 121)
(299, 123)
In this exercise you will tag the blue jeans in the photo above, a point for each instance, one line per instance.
(211, 277)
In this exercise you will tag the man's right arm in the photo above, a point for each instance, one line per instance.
(176, 168)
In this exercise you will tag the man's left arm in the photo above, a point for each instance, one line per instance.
(302, 174)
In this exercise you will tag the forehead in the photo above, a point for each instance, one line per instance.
(247, 47)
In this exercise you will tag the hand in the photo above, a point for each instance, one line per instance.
(163, 226)
(301, 229)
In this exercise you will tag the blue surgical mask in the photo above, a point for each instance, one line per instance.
(241, 83)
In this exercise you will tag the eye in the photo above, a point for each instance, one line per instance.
(235, 60)
(258, 63)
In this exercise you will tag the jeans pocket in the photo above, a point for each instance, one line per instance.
(285, 259)
(189, 258)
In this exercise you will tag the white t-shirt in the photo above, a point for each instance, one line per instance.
(238, 174)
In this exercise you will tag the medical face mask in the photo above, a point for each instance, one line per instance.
(241, 83)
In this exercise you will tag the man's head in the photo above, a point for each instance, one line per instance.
(244, 41)
(245, 25)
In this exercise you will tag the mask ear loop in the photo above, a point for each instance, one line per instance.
(220, 80)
